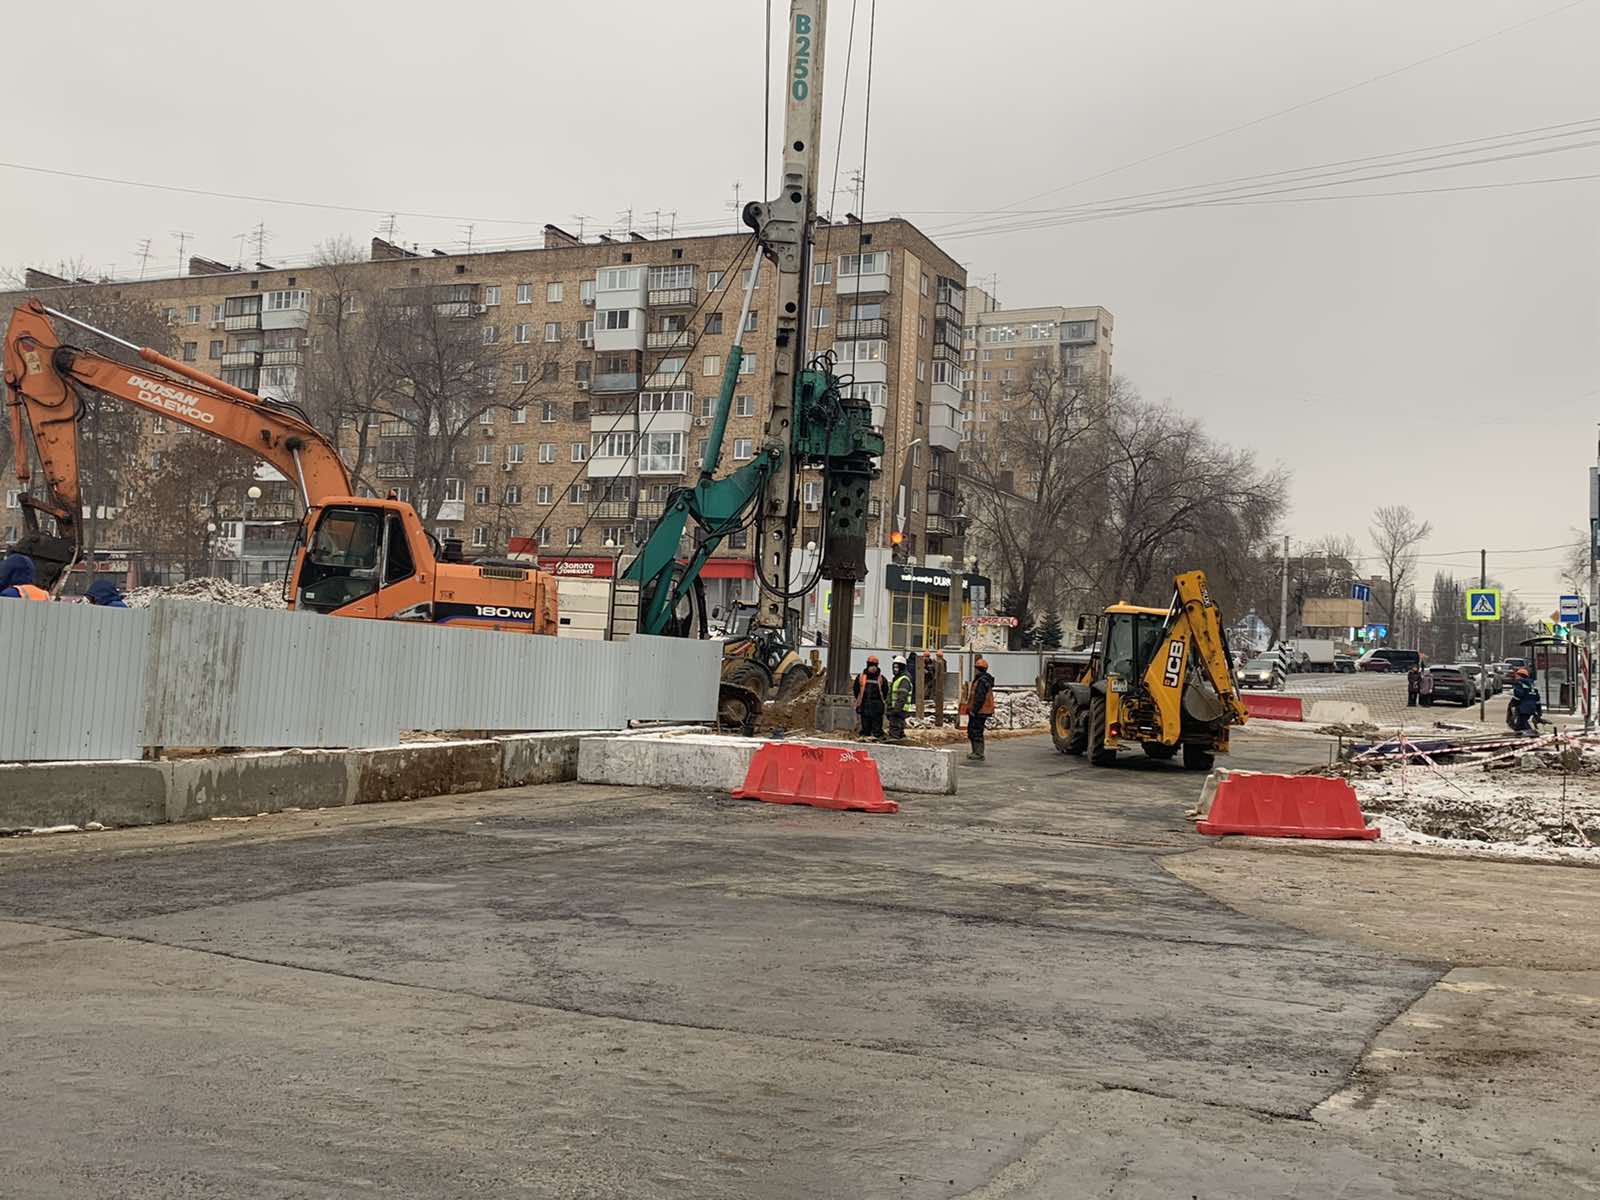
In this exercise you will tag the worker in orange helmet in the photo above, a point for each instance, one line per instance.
(980, 707)
(872, 697)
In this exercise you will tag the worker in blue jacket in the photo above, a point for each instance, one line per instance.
(105, 594)
(1525, 701)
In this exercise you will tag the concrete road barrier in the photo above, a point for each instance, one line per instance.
(720, 762)
(41, 795)
(1333, 712)
(1274, 706)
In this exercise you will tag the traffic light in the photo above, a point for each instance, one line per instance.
(896, 545)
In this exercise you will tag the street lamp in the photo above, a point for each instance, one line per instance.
(901, 507)
(953, 638)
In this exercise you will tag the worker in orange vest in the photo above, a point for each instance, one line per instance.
(872, 697)
(16, 578)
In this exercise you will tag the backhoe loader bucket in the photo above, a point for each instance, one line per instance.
(51, 555)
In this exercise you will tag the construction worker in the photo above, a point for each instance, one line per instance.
(16, 578)
(980, 707)
(901, 689)
(104, 593)
(1525, 701)
(872, 696)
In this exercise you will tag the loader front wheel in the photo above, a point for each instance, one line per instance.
(1067, 731)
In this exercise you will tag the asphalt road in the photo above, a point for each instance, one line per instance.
(572, 991)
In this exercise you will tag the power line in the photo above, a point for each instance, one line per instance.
(1304, 104)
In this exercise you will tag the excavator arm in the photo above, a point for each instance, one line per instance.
(42, 374)
(1194, 641)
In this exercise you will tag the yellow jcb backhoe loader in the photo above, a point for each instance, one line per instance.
(1158, 678)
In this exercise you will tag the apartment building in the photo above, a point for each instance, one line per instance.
(618, 345)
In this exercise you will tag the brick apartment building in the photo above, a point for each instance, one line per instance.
(627, 339)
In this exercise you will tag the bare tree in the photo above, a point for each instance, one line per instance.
(345, 381)
(1026, 481)
(186, 488)
(1396, 533)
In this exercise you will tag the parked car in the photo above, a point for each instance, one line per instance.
(1261, 673)
(1393, 660)
(1345, 664)
(1480, 683)
(1451, 683)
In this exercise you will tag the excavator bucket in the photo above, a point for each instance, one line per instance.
(51, 555)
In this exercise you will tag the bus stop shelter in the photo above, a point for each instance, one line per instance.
(1554, 664)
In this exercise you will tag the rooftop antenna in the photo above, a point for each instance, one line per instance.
(625, 219)
(858, 185)
(240, 262)
(259, 233)
(738, 214)
(144, 255)
(467, 229)
(657, 227)
(672, 229)
(388, 227)
(581, 219)
(183, 242)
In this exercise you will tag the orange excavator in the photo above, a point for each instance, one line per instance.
(354, 556)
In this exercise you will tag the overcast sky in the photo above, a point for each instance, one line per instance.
(1437, 350)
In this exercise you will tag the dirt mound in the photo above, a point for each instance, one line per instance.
(799, 711)
(213, 591)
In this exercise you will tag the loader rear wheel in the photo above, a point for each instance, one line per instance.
(738, 709)
(751, 676)
(795, 678)
(1159, 751)
(1066, 730)
(1099, 754)
(1197, 757)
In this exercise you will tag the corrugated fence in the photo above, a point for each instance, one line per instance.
(96, 683)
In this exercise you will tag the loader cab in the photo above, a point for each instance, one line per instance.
(345, 554)
(1128, 641)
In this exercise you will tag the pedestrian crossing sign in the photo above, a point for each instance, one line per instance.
(1483, 604)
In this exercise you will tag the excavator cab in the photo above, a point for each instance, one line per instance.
(343, 560)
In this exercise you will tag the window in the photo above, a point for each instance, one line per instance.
(191, 351)
(661, 451)
(519, 415)
(946, 372)
(875, 394)
(283, 301)
(612, 445)
(866, 312)
(491, 295)
(169, 315)
(485, 453)
(614, 318)
(1078, 331)
(873, 351)
(713, 322)
(480, 495)
(517, 452)
(820, 318)
(711, 366)
(586, 291)
(582, 372)
(580, 452)
(706, 404)
(520, 333)
(585, 332)
(713, 282)
(480, 535)
(444, 533)
(747, 364)
(823, 273)
(524, 293)
(547, 452)
(552, 293)
(922, 326)
(619, 279)
(1008, 375)
(920, 417)
(491, 334)
(924, 283)
(968, 354)
(669, 278)
(742, 449)
(578, 493)
(216, 349)
(875, 263)
(922, 371)
(617, 535)
(486, 417)
(1011, 352)
(552, 331)
(739, 539)
(574, 535)
(216, 312)
(744, 406)
(672, 368)
(751, 319)
(811, 493)
(550, 373)
(513, 493)
(193, 314)
(519, 372)
(454, 490)
(542, 535)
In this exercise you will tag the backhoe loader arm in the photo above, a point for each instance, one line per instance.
(41, 373)
(1195, 640)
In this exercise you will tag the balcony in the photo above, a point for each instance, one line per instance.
(1073, 333)
(670, 339)
(944, 419)
(248, 378)
(615, 381)
(864, 371)
(394, 471)
(875, 327)
(941, 484)
(280, 358)
(940, 526)
(951, 296)
(651, 510)
(295, 317)
(249, 359)
(874, 284)
(239, 321)
(612, 509)
(619, 341)
(672, 297)
(946, 353)
(612, 467)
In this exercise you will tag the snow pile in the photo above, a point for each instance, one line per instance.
(213, 591)
(1548, 805)
(1019, 710)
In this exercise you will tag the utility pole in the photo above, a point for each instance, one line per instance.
(1483, 673)
(144, 255)
(1283, 596)
(1594, 588)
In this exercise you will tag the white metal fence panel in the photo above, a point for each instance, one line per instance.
(75, 681)
(103, 683)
